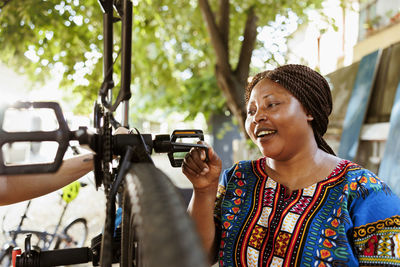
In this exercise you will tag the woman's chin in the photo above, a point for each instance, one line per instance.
(269, 153)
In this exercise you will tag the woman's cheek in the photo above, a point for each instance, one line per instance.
(247, 125)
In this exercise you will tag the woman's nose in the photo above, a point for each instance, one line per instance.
(260, 115)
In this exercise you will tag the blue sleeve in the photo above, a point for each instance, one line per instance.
(375, 213)
(226, 175)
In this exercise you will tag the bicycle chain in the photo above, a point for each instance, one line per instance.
(107, 153)
(108, 179)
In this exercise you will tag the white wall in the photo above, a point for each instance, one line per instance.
(304, 44)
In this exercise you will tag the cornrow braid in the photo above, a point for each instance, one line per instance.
(310, 88)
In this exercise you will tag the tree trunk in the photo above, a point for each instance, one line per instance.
(231, 82)
(233, 91)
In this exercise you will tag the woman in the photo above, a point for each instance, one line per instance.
(299, 205)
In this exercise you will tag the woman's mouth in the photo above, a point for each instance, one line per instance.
(265, 133)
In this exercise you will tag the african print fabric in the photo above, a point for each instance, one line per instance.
(350, 218)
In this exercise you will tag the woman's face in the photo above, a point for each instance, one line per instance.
(277, 122)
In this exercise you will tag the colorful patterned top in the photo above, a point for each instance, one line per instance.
(349, 218)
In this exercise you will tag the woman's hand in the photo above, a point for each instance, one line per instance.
(202, 173)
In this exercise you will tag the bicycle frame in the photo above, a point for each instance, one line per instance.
(135, 166)
(45, 240)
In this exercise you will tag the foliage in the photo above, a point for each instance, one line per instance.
(39, 38)
(172, 58)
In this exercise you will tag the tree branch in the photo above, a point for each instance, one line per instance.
(5, 2)
(223, 22)
(216, 40)
(249, 39)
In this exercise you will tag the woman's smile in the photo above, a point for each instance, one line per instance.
(264, 134)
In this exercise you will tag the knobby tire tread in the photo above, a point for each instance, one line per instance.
(158, 221)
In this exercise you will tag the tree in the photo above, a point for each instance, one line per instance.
(178, 62)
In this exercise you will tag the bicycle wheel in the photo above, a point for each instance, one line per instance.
(73, 235)
(156, 229)
(6, 257)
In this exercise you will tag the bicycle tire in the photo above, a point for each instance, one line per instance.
(71, 238)
(156, 230)
(6, 257)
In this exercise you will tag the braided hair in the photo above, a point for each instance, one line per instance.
(310, 88)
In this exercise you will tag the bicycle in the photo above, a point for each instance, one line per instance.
(74, 234)
(155, 228)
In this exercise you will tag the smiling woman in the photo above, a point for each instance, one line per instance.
(299, 205)
(276, 120)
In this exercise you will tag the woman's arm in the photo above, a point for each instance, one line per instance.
(204, 175)
(15, 188)
(201, 209)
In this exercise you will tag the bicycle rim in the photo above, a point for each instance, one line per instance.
(157, 230)
(75, 234)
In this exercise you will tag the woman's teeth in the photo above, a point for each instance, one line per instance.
(263, 133)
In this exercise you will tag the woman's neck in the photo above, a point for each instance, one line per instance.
(303, 170)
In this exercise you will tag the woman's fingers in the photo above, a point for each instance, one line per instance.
(194, 161)
(188, 171)
(203, 171)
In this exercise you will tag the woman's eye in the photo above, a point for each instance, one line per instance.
(272, 105)
(250, 112)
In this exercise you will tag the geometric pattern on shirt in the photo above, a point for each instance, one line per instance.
(289, 222)
(270, 184)
(238, 180)
(332, 239)
(264, 217)
(260, 217)
(276, 262)
(252, 257)
(379, 242)
(306, 237)
(268, 197)
(301, 205)
(282, 243)
(309, 191)
(257, 237)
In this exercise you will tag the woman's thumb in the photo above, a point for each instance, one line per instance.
(213, 157)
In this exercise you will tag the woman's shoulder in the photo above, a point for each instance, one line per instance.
(244, 168)
(245, 164)
(359, 179)
(354, 171)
